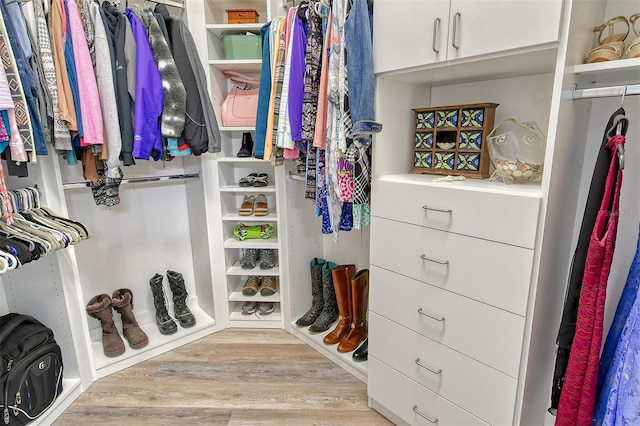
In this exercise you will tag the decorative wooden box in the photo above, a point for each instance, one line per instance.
(451, 140)
(242, 16)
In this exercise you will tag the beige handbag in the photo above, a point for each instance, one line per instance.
(240, 107)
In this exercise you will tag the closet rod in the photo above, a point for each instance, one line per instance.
(605, 92)
(171, 3)
(73, 185)
(285, 4)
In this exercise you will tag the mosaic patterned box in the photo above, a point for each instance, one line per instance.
(451, 140)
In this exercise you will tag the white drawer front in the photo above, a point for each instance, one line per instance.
(476, 387)
(494, 273)
(482, 332)
(400, 395)
(507, 218)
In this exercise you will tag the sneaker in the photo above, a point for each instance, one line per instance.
(249, 259)
(267, 258)
(250, 286)
(249, 307)
(265, 308)
(269, 285)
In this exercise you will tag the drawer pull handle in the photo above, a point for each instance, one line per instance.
(421, 312)
(437, 210)
(415, 410)
(438, 371)
(436, 30)
(440, 262)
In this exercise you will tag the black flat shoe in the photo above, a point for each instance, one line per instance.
(362, 353)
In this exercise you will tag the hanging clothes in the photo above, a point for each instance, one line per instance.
(617, 400)
(201, 131)
(577, 399)
(116, 24)
(570, 310)
(264, 92)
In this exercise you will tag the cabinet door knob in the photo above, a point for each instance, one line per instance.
(437, 318)
(436, 31)
(454, 38)
(439, 262)
(437, 210)
(432, 420)
(438, 371)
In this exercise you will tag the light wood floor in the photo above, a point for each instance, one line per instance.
(233, 377)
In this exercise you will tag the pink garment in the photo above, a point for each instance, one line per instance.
(320, 135)
(6, 199)
(577, 400)
(92, 124)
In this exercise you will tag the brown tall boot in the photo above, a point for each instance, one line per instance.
(122, 301)
(341, 282)
(100, 307)
(359, 303)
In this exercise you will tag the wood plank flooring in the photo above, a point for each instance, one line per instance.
(233, 377)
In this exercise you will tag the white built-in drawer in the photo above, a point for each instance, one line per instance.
(488, 334)
(494, 273)
(480, 389)
(464, 209)
(403, 396)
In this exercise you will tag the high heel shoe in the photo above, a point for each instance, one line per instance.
(633, 51)
(612, 47)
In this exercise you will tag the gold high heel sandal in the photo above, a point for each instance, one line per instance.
(633, 51)
(612, 47)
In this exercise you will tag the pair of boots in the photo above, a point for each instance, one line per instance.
(324, 308)
(181, 311)
(352, 296)
(101, 307)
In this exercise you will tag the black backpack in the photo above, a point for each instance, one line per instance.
(30, 369)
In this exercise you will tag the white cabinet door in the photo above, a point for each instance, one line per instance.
(404, 30)
(479, 27)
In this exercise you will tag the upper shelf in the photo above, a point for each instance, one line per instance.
(242, 65)
(222, 29)
(536, 60)
(623, 70)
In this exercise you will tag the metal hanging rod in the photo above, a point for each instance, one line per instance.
(606, 92)
(144, 179)
(287, 4)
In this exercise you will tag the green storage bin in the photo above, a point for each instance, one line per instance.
(241, 46)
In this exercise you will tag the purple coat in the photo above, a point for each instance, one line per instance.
(147, 140)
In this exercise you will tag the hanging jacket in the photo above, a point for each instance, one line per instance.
(104, 74)
(201, 130)
(175, 95)
(92, 125)
(116, 25)
(149, 100)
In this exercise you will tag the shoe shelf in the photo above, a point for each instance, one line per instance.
(238, 319)
(343, 359)
(625, 70)
(241, 160)
(237, 296)
(158, 343)
(271, 243)
(234, 217)
(248, 189)
(237, 270)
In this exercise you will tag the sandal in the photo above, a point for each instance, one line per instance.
(247, 207)
(248, 180)
(633, 51)
(612, 47)
(262, 179)
(250, 286)
(261, 207)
